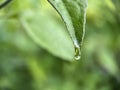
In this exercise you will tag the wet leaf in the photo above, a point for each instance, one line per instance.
(73, 13)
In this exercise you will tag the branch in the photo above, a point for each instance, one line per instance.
(5, 3)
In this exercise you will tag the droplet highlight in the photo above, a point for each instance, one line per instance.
(77, 51)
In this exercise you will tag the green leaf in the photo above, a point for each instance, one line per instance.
(73, 13)
(48, 32)
(42, 27)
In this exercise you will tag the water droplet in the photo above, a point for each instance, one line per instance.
(77, 51)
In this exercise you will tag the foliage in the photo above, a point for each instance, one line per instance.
(25, 65)
(75, 22)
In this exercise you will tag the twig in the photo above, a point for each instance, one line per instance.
(5, 3)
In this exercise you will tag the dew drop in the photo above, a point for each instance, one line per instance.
(77, 51)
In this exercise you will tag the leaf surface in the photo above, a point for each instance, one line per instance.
(73, 13)
(49, 33)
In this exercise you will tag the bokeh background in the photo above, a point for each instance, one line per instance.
(32, 62)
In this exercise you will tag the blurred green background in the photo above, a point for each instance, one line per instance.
(41, 60)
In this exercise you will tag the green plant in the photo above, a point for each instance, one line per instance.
(75, 23)
(36, 47)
